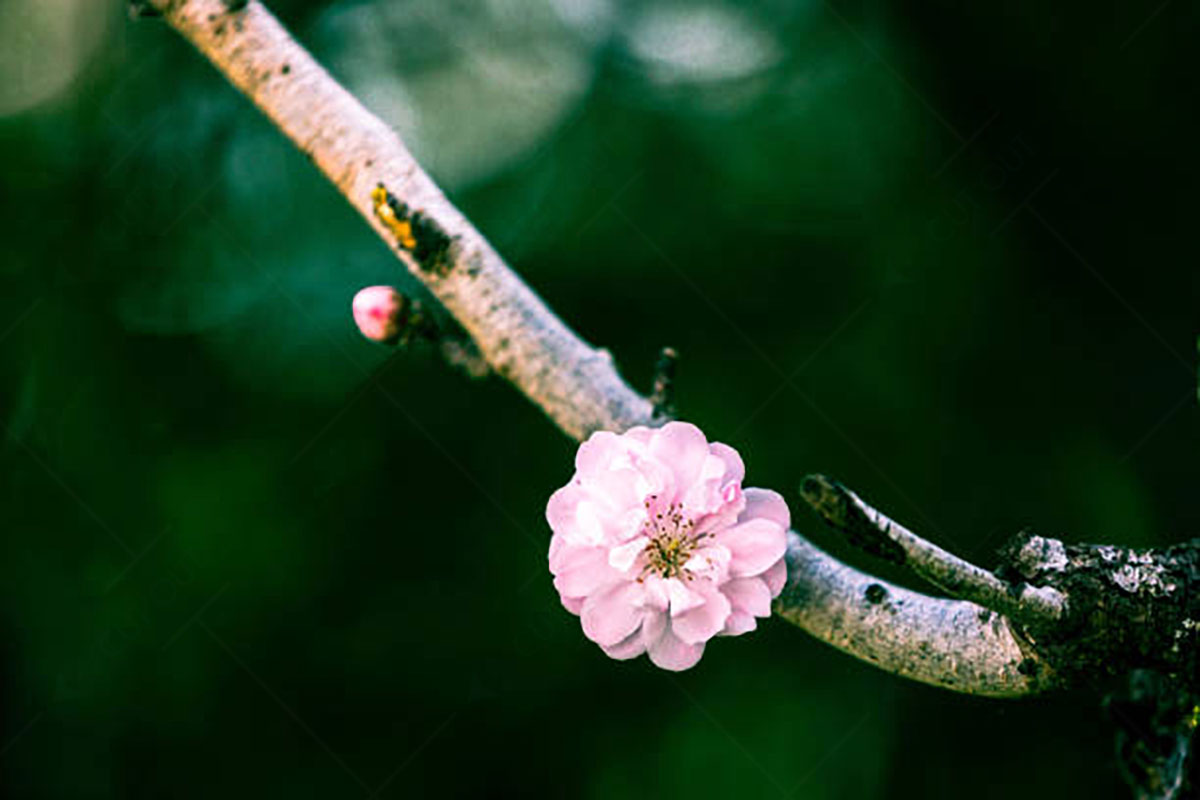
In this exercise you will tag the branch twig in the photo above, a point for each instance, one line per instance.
(662, 394)
(870, 530)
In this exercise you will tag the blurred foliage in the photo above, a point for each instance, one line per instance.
(939, 251)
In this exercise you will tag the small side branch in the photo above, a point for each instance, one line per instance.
(872, 531)
(662, 395)
(386, 315)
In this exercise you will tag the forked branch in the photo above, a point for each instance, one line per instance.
(870, 530)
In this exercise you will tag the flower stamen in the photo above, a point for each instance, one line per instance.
(671, 544)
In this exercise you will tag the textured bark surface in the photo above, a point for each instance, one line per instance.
(1127, 609)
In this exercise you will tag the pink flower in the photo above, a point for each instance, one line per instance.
(377, 312)
(657, 548)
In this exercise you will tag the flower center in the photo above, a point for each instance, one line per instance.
(671, 541)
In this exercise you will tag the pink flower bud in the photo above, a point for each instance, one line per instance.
(379, 313)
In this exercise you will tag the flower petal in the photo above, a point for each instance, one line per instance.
(682, 599)
(735, 469)
(621, 558)
(653, 625)
(739, 622)
(640, 434)
(575, 517)
(585, 572)
(560, 508)
(705, 495)
(670, 652)
(776, 577)
(612, 614)
(749, 595)
(756, 545)
(598, 453)
(631, 646)
(702, 622)
(710, 562)
(683, 448)
(617, 490)
(565, 557)
(765, 504)
(655, 593)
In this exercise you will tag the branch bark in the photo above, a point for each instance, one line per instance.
(954, 643)
(871, 530)
(573, 382)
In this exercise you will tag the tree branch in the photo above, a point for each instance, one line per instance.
(869, 529)
(573, 382)
(955, 643)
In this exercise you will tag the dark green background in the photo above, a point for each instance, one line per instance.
(945, 254)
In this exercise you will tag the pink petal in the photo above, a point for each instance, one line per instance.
(703, 622)
(682, 599)
(576, 517)
(622, 558)
(586, 571)
(749, 595)
(612, 614)
(599, 452)
(655, 591)
(735, 469)
(776, 577)
(766, 504)
(653, 626)
(560, 508)
(640, 434)
(631, 646)
(683, 448)
(756, 545)
(739, 622)
(670, 652)
(566, 557)
(710, 562)
(705, 494)
(618, 490)
(572, 604)
(727, 506)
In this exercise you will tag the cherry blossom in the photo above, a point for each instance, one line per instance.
(658, 548)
